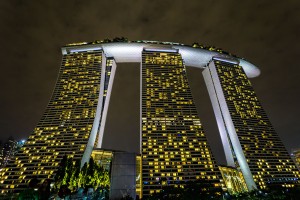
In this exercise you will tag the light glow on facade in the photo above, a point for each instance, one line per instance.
(173, 145)
(249, 139)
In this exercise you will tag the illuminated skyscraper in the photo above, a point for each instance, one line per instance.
(173, 145)
(249, 139)
(69, 124)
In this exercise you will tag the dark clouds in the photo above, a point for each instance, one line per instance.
(32, 32)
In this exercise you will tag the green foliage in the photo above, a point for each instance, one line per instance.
(73, 182)
(90, 175)
(61, 171)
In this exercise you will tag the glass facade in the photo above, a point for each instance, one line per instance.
(233, 180)
(247, 126)
(174, 146)
(103, 157)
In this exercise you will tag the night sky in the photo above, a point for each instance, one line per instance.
(31, 33)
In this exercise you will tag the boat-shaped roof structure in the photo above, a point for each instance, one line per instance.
(131, 51)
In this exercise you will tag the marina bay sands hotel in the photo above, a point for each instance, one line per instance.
(173, 144)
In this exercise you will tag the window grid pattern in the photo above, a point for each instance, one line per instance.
(65, 126)
(174, 147)
(266, 155)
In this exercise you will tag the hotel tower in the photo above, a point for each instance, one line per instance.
(173, 145)
(249, 139)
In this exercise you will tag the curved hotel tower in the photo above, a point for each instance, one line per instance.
(173, 145)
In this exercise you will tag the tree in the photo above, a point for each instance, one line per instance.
(74, 180)
(90, 175)
(60, 173)
(68, 172)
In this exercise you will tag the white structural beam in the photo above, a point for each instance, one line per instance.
(107, 100)
(90, 145)
(225, 124)
(218, 114)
